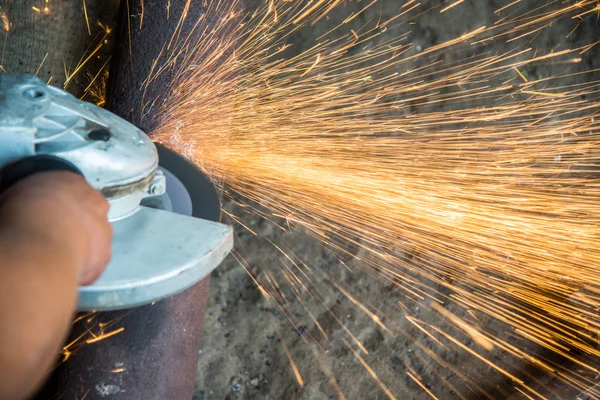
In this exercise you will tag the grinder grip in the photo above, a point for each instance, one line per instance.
(28, 166)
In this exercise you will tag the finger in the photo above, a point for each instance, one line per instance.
(99, 253)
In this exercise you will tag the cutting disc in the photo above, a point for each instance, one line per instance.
(190, 181)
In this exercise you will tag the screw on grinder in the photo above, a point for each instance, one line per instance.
(156, 253)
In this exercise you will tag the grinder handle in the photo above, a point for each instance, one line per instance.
(28, 166)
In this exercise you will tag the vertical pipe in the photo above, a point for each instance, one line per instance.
(138, 49)
(154, 357)
(156, 354)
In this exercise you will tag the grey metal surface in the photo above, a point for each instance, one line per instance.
(181, 201)
(153, 358)
(115, 164)
(156, 254)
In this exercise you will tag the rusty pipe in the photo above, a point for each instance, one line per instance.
(155, 356)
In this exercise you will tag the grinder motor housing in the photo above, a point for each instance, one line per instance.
(156, 252)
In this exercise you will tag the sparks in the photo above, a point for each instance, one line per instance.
(483, 175)
(105, 335)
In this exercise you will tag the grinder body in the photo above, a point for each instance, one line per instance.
(156, 252)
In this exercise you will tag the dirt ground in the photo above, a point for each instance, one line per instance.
(248, 341)
(245, 336)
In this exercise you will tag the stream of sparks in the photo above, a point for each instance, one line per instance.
(462, 182)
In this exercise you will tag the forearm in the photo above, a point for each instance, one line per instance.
(38, 292)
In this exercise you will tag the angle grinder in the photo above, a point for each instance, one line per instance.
(159, 248)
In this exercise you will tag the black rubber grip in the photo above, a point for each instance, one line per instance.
(28, 166)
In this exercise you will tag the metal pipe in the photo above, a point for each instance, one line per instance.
(155, 356)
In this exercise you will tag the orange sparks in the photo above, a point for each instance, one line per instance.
(5, 20)
(41, 64)
(105, 335)
(418, 382)
(543, 94)
(462, 184)
(371, 372)
(451, 6)
(521, 75)
(87, 21)
(142, 12)
(506, 6)
(476, 335)
(293, 365)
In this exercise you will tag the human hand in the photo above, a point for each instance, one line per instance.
(64, 209)
(54, 236)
